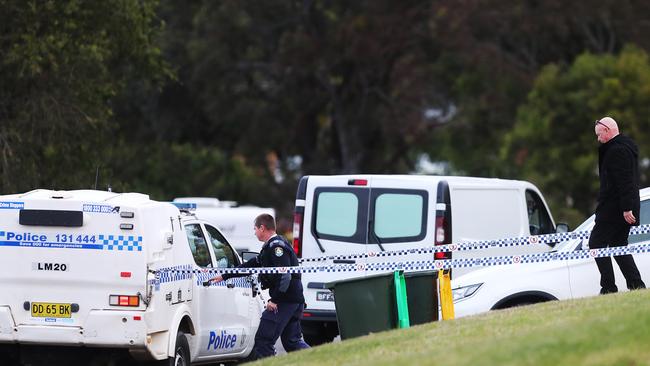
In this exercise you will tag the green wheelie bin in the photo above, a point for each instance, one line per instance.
(385, 301)
(422, 296)
(365, 305)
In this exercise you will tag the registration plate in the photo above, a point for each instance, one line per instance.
(50, 310)
(324, 296)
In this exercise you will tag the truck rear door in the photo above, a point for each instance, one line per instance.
(62, 260)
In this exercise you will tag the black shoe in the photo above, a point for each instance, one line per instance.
(637, 286)
(604, 291)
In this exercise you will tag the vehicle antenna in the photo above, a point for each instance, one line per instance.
(96, 177)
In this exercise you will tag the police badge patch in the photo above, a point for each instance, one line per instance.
(278, 252)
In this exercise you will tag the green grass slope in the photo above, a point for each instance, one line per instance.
(603, 330)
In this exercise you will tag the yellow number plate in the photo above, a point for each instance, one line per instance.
(50, 310)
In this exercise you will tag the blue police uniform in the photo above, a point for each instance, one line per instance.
(286, 291)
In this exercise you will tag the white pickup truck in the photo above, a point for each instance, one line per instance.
(119, 272)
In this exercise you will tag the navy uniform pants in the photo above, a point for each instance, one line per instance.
(284, 324)
(606, 234)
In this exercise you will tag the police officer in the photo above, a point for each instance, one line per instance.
(283, 312)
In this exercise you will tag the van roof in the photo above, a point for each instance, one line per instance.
(458, 180)
(87, 195)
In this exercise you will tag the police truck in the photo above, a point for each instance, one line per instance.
(119, 272)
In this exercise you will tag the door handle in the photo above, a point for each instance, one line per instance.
(345, 261)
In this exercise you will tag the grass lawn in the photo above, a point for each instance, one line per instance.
(603, 330)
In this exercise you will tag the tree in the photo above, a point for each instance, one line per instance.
(62, 64)
(342, 85)
(294, 87)
(553, 142)
(494, 50)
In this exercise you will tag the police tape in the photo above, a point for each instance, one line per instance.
(424, 264)
(475, 245)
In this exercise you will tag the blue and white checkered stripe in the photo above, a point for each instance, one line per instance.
(440, 264)
(121, 242)
(474, 245)
(176, 273)
(203, 275)
(187, 271)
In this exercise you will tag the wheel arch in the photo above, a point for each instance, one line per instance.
(182, 322)
(524, 297)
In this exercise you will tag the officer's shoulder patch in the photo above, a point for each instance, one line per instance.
(278, 251)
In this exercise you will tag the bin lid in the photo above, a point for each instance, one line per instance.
(331, 285)
(421, 273)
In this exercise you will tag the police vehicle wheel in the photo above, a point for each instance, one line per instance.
(182, 351)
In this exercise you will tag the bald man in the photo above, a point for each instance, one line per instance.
(618, 203)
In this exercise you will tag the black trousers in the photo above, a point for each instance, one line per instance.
(607, 234)
(283, 324)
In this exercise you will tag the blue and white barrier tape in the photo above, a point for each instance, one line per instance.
(431, 264)
(474, 245)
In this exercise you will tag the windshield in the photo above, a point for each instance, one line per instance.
(570, 245)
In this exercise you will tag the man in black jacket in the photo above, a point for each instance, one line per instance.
(618, 203)
(281, 319)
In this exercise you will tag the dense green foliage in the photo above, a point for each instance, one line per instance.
(61, 63)
(238, 99)
(552, 141)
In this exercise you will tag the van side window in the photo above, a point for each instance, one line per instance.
(224, 255)
(644, 220)
(198, 245)
(340, 214)
(399, 215)
(538, 218)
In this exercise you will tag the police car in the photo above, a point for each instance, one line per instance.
(120, 271)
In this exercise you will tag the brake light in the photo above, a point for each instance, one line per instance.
(442, 237)
(297, 234)
(124, 300)
(358, 182)
(125, 274)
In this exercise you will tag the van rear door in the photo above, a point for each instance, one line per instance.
(402, 216)
(336, 223)
(63, 259)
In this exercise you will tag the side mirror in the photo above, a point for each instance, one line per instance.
(246, 256)
(562, 227)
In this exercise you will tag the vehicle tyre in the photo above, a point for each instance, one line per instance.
(314, 339)
(8, 355)
(181, 352)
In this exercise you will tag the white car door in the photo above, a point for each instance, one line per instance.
(218, 330)
(231, 311)
(584, 275)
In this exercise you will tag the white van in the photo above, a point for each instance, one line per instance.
(104, 270)
(236, 222)
(348, 214)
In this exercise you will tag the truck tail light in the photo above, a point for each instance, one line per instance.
(297, 233)
(443, 236)
(124, 300)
